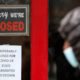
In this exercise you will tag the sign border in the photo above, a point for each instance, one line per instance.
(27, 20)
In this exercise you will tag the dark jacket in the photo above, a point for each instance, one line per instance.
(70, 29)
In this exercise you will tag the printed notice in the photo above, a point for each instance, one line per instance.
(10, 62)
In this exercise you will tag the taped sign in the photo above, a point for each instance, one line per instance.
(10, 62)
(14, 20)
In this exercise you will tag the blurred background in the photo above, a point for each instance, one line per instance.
(24, 41)
(14, 2)
(57, 10)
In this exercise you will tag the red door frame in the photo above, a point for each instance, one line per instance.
(39, 39)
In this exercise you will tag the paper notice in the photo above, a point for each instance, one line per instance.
(10, 62)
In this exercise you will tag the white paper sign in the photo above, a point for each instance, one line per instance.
(10, 62)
